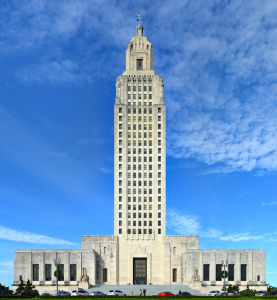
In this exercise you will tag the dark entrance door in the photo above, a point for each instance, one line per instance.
(140, 271)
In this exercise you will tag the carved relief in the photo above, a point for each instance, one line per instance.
(219, 258)
(195, 277)
(84, 277)
(231, 258)
(206, 258)
(140, 248)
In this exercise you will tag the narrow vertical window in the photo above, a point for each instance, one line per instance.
(139, 64)
(36, 272)
(230, 272)
(206, 272)
(218, 273)
(105, 250)
(73, 273)
(48, 272)
(174, 275)
(105, 275)
(61, 273)
(243, 273)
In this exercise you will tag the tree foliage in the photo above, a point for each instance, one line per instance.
(271, 289)
(231, 287)
(248, 292)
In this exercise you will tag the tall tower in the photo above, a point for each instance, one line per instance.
(139, 146)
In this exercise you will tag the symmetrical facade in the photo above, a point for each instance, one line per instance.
(139, 252)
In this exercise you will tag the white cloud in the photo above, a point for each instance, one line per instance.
(270, 203)
(107, 170)
(188, 224)
(239, 237)
(28, 237)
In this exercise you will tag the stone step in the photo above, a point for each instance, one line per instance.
(151, 289)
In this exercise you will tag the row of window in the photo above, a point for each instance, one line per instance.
(140, 119)
(140, 97)
(140, 143)
(140, 88)
(140, 159)
(140, 191)
(139, 103)
(140, 199)
(140, 223)
(139, 215)
(140, 109)
(140, 175)
(231, 272)
(140, 151)
(140, 135)
(139, 167)
(140, 231)
(139, 127)
(140, 183)
(48, 273)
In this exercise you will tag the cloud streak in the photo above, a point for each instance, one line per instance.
(28, 237)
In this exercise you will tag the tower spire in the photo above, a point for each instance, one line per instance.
(139, 30)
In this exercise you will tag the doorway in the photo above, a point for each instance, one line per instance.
(140, 271)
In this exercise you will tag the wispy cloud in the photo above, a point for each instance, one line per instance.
(28, 237)
(107, 170)
(7, 263)
(269, 203)
(189, 224)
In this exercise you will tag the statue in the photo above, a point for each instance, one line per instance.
(84, 277)
(195, 277)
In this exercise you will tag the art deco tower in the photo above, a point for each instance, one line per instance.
(139, 146)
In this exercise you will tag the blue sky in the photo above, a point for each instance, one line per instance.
(59, 63)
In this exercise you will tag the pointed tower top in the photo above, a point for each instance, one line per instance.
(139, 30)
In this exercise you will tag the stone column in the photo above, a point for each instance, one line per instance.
(166, 263)
(200, 270)
(249, 268)
(30, 267)
(237, 267)
(42, 267)
(79, 266)
(212, 266)
(66, 268)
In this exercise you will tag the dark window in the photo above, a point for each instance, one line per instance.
(159, 110)
(120, 110)
(159, 231)
(139, 64)
(243, 273)
(35, 272)
(218, 272)
(230, 272)
(73, 276)
(174, 275)
(105, 275)
(48, 272)
(139, 270)
(206, 272)
(61, 273)
(258, 278)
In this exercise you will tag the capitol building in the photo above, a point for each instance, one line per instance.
(139, 252)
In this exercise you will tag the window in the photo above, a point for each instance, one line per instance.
(139, 215)
(129, 199)
(159, 118)
(61, 269)
(139, 64)
(129, 191)
(150, 184)
(145, 88)
(150, 119)
(159, 215)
(134, 215)
(129, 167)
(159, 134)
(159, 191)
(105, 275)
(159, 231)
(48, 272)
(139, 231)
(129, 119)
(129, 231)
(150, 97)
(129, 215)
(120, 158)
(120, 215)
(243, 273)
(150, 207)
(120, 223)
(120, 231)
(73, 273)
(129, 207)
(120, 150)
(159, 143)
(120, 191)
(159, 126)
(144, 231)
(159, 167)
(258, 278)
(206, 272)
(120, 199)
(150, 216)
(134, 207)
(174, 275)
(230, 272)
(120, 110)
(139, 88)
(134, 223)
(129, 88)
(145, 208)
(159, 182)
(134, 88)
(150, 223)
(134, 231)
(150, 88)
(159, 223)
(120, 142)
(134, 96)
(218, 273)
(120, 126)
(150, 231)
(159, 110)
(120, 118)
(159, 207)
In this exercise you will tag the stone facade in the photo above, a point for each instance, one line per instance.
(139, 241)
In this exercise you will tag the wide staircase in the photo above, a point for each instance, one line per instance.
(151, 289)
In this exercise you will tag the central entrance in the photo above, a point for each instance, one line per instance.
(140, 271)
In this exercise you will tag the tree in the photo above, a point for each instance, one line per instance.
(271, 289)
(20, 287)
(248, 292)
(6, 289)
(29, 287)
(231, 287)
